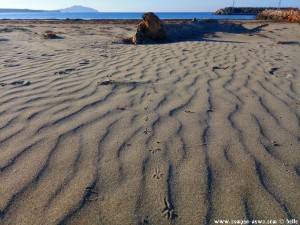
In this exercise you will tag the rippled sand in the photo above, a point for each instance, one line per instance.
(204, 127)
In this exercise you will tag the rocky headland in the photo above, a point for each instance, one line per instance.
(245, 10)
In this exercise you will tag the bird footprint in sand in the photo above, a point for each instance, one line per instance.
(146, 131)
(152, 150)
(157, 174)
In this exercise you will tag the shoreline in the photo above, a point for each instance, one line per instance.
(121, 21)
(162, 15)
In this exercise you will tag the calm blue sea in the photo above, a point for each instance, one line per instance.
(120, 15)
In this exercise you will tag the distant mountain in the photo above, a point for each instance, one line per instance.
(73, 9)
(78, 8)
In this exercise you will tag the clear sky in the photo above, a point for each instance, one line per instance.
(143, 5)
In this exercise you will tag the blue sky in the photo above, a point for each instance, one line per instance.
(143, 5)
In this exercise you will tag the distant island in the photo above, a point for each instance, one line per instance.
(244, 10)
(78, 9)
(73, 9)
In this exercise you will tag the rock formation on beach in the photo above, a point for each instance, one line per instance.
(245, 10)
(280, 15)
(149, 30)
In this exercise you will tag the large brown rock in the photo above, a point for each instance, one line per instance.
(149, 30)
(291, 15)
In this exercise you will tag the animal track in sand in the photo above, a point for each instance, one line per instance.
(153, 150)
(275, 143)
(146, 131)
(158, 175)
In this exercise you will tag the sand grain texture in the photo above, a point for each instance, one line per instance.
(96, 132)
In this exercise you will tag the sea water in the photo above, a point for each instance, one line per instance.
(121, 15)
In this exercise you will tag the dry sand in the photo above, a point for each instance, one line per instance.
(204, 127)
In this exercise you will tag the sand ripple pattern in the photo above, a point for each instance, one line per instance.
(98, 133)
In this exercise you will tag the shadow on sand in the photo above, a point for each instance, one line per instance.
(204, 30)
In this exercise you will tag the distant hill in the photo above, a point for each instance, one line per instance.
(78, 8)
(24, 10)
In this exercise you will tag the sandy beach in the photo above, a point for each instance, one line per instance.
(200, 128)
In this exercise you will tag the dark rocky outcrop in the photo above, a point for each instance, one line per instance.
(150, 30)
